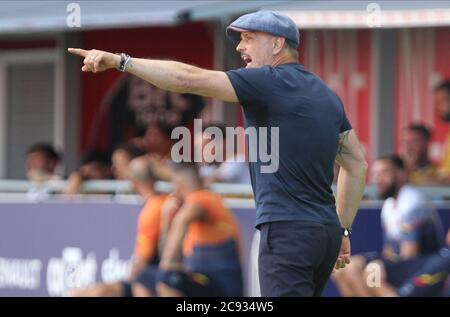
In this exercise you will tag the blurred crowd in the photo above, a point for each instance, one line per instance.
(42, 160)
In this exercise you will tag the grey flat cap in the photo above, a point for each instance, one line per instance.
(267, 22)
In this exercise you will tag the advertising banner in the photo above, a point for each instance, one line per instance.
(49, 248)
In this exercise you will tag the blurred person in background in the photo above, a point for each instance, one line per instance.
(121, 158)
(425, 276)
(95, 165)
(417, 142)
(411, 227)
(157, 140)
(158, 144)
(231, 169)
(142, 176)
(200, 250)
(41, 161)
(208, 169)
(442, 106)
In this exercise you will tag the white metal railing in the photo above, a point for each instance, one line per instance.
(123, 190)
(110, 186)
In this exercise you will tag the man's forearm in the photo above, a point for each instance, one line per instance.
(167, 75)
(172, 253)
(350, 189)
(164, 232)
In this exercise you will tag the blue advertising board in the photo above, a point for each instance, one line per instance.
(47, 248)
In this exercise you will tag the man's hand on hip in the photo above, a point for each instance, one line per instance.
(95, 60)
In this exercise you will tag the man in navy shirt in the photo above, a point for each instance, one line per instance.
(302, 235)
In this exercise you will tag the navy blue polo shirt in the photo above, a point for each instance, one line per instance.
(310, 117)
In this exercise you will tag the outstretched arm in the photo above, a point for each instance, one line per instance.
(167, 75)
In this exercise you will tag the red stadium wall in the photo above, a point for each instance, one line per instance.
(17, 44)
(191, 43)
(343, 59)
(423, 60)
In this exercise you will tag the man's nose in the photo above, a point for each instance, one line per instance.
(239, 47)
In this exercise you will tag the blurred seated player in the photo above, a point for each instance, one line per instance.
(201, 249)
(230, 168)
(41, 162)
(95, 165)
(158, 144)
(424, 276)
(121, 158)
(441, 98)
(411, 227)
(142, 176)
(417, 142)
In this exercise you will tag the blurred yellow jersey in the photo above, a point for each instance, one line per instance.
(444, 168)
(423, 174)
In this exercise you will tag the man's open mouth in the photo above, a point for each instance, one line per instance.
(246, 58)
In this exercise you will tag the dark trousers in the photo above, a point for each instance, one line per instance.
(296, 258)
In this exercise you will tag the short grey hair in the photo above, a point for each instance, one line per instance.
(292, 50)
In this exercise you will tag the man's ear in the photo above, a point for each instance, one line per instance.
(278, 44)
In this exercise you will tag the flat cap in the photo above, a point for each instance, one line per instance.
(267, 22)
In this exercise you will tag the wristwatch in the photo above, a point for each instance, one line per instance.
(124, 60)
(346, 232)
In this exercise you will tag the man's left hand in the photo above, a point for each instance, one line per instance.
(344, 255)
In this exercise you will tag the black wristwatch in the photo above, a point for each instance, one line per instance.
(346, 232)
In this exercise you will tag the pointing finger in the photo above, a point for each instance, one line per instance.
(78, 51)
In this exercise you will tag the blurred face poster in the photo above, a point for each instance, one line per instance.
(131, 105)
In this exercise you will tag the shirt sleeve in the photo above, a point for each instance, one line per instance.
(205, 200)
(250, 84)
(345, 125)
(198, 198)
